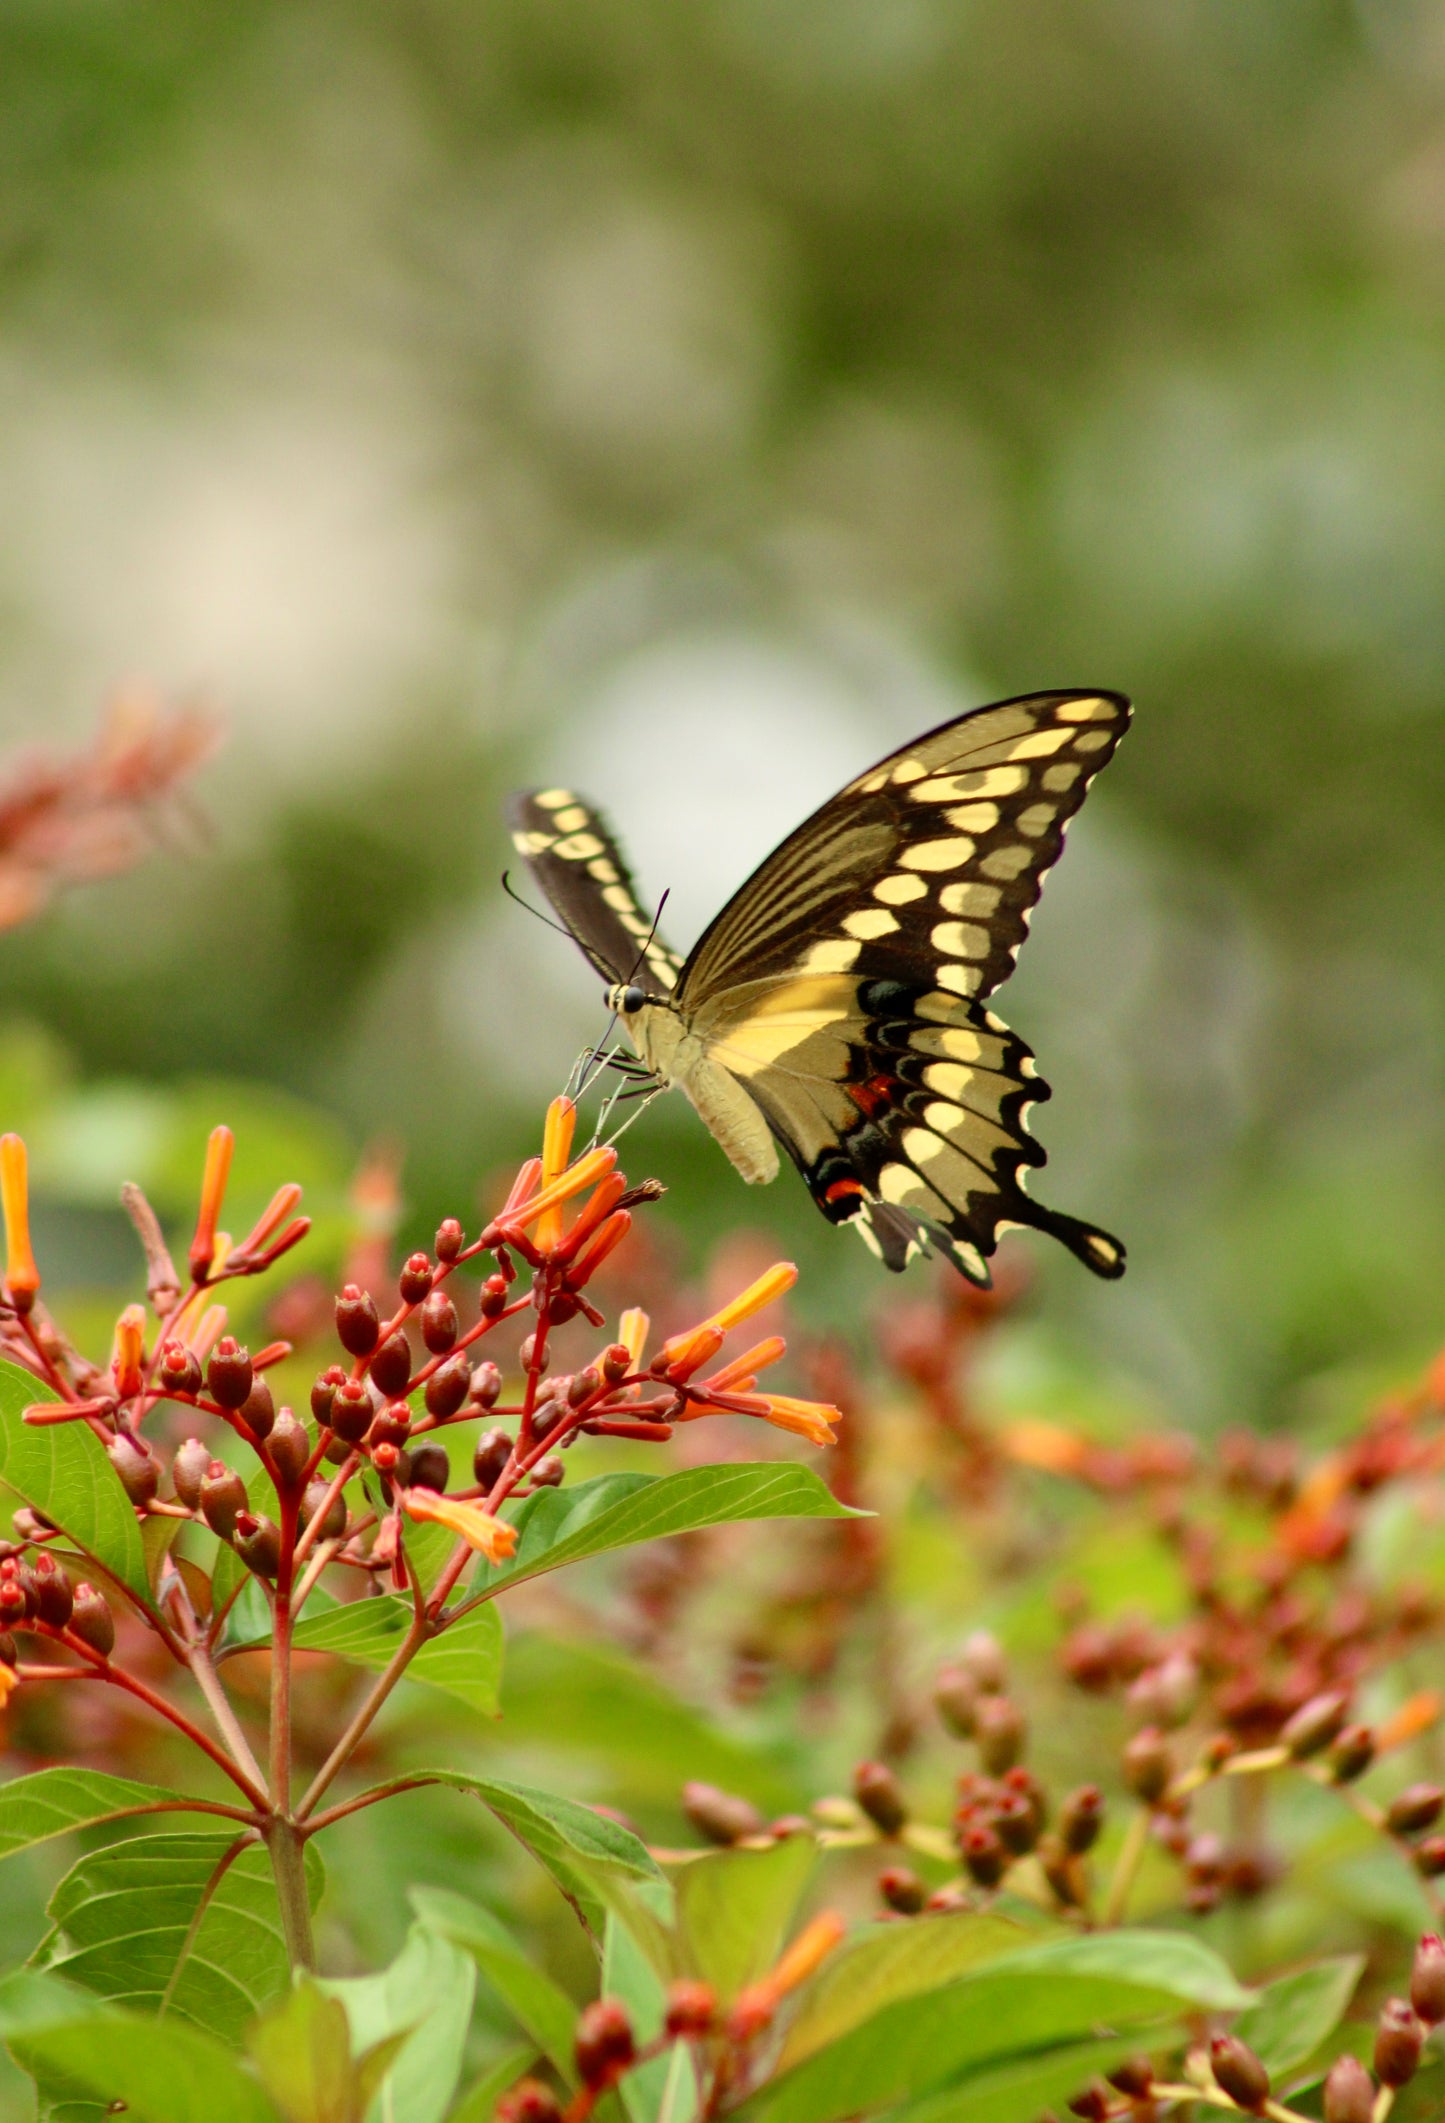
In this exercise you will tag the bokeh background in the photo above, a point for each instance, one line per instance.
(691, 399)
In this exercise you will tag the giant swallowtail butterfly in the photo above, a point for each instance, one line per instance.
(837, 1004)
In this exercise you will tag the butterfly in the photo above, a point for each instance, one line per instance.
(837, 1004)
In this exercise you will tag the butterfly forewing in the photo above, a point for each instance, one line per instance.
(927, 867)
(579, 865)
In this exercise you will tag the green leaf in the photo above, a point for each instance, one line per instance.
(540, 2007)
(478, 2103)
(125, 1918)
(1299, 2012)
(557, 1526)
(888, 1962)
(1064, 1991)
(303, 2054)
(425, 1996)
(465, 1661)
(50, 1802)
(1008, 2093)
(163, 2072)
(598, 1864)
(734, 1908)
(61, 1470)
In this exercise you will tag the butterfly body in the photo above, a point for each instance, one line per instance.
(836, 1006)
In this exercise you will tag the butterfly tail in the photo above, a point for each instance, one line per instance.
(1096, 1249)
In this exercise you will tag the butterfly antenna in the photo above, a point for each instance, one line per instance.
(528, 908)
(599, 1056)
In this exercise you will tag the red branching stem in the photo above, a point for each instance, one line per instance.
(390, 1790)
(119, 1677)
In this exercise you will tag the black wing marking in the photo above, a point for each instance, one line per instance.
(905, 1110)
(575, 858)
(926, 868)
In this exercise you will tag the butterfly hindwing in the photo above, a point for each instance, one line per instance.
(905, 1110)
(573, 854)
(927, 867)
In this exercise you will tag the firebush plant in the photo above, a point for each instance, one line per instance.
(1162, 1839)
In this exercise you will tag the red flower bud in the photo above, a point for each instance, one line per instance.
(486, 1385)
(390, 1425)
(493, 1296)
(529, 2102)
(1148, 1765)
(447, 1387)
(431, 1468)
(188, 1471)
(983, 1661)
(1015, 1822)
(54, 1599)
(136, 1464)
(289, 1446)
(228, 1374)
(493, 1450)
(1349, 2092)
(1430, 1857)
(616, 1363)
(391, 1366)
(955, 1696)
(1081, 1816)
(415, 1279)
(902, 1890)
(1000, 1730)
(691, 2009)
(1315, 1724)
(880, 1795)
(549, 1473)
(352, 1409)
(334, 1523)
(720, 1815)
(1398, 2042)
(180, 1370)
(258, 1411)
(223, 1498)
(258, 1543)
(439, 1323)
(448, 1240)
(91, 1619)
(1351, 1753)
(603, 2044)
(357, 1324)
(1416, 1807)
(1427, 1979)
(1133, 2077)
(983, 1854)
(1239, 2073)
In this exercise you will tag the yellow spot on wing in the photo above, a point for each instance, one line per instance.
(979, 900)
(1085, 710)
(937, 854)
(834, 955)
(898, 891)
(870, 922)
(578, 847)
(1063, 776)
(1036, 820)
(1092, 740)
(960, 939)
(573, 819)
(1040, 744)
(554, 799)
(1006, 862)
(604, 871)
(960, 980)
(909, 770)
(974, 817)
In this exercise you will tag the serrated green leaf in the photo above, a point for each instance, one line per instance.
(50, 1802)
(539, 2006)
(426, 1997)
(1299, 2012)
(734, 1908)
(60, 1470)
(163, 2072)
(557, 1526)
(1064, 1991)
(124, 1919)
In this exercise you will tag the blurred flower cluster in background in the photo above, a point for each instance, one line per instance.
(690, 401)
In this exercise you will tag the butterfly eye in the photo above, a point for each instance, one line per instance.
(631, 1000)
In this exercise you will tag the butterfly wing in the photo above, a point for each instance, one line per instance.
(843, 985)
(575, 857)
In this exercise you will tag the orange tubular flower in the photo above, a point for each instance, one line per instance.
(282, 1202)
(557, 1133)
(606, 1241)
(576, 1180)
(813, 1420)
(492, 1537)
(127, 1365)
(755, 2006)
(22, 1277)
(9, 1682)
(769, 1287)
(632, 1331)
(747, 1366)
(213, 1193)
(1412, 1718)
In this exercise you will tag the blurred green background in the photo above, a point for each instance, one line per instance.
(692, 401)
